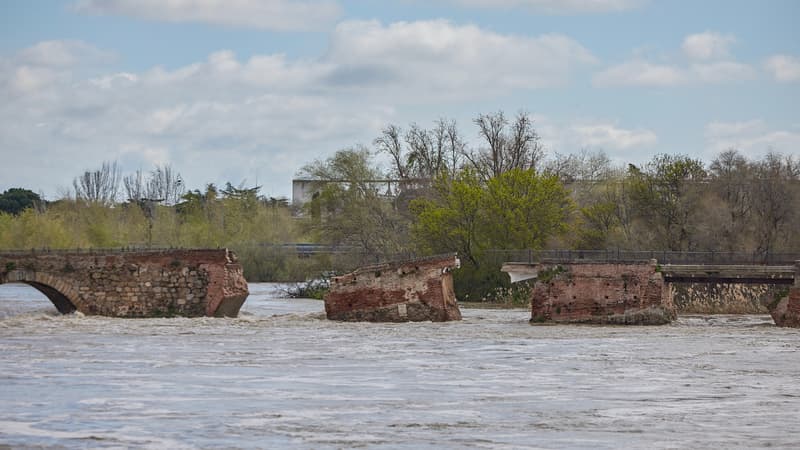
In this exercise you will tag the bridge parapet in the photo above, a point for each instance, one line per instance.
(138, 283)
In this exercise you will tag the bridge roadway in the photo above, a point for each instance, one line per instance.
(729, 273)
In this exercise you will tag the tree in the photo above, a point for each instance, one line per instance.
(100, 186)
(732, 182)
(426, 153)
(775, 199)
(516, 147)
(515, 210)
(162, 185)
(523, 209)
(451, 222)
(584, 166)
(352, 209)
(15, 200)
(663, 197)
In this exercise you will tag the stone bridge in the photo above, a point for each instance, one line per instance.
(638, 292)
(138, 283)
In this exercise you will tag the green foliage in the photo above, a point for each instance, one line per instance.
(452, 220)
(597, 224)
(517, 209)
(665, 198)
(524, 209)
(351, 208)
(244, 223)
(547, 275)
(15, 200)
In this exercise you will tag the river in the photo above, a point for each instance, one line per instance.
(281, 375)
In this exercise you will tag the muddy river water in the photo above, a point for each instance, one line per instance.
(281, 376)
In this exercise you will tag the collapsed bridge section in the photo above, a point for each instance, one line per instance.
(638, 292)
(138, 283)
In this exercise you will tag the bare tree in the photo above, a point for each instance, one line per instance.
(165, 184)
(426, 153)
(514, 147)
(731, 180)
(454, 143)
(774, 199)
(162, 185)
(135, 186)
(583, 166)
(99, 186)
(389, 142)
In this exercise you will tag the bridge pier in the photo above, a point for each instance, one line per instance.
(142, 283)
(636, 292)
(786, 312)
(597, 292)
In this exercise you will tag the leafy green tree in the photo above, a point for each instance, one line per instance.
(350, 208)
(15, 200)
(518, 209)
(452, 220)
(524, 209)
(664, 198)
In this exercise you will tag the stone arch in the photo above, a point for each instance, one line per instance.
(58, 292)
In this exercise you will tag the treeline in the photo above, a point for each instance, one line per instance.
(92, 216)
(506, 193)
(438, 195)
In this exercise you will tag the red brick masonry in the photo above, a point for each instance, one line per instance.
(601, 293)
(418, 290)
(787, 312)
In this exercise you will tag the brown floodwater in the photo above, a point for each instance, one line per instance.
(281, 375)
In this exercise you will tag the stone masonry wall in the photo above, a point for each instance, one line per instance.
(724, 298)
(601, 293)
(135, 284)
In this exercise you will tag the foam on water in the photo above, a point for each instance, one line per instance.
(281, 375)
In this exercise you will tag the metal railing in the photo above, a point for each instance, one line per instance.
(663, 257)
(355, 256)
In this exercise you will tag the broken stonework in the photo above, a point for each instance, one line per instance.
(417, 290)
(601, 293)
(143, 283)
(787, 312)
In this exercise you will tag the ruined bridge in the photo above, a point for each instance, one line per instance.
(133, 283)
(638, 292)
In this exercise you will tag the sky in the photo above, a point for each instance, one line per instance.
(249, 91)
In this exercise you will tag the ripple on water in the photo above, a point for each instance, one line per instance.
(281, 375)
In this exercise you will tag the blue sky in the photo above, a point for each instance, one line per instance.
(250, 91)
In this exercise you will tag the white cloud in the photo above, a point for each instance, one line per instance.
(720, 72)
(225, 118)
(609, 136)
(63, 54)
(784, 67)
(753, 138)
(709, 63)
(571, 137)
(437, 57)
(279, 15)
(557, 6)
(708, 45)
(640, 73)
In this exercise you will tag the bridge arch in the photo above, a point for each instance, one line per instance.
(59, 293)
